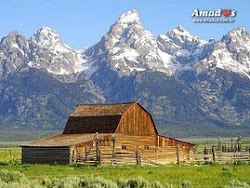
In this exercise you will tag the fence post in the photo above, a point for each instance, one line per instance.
(232, 146)
(97, 146)
(239, 144)
(113, 152)
(138, 157)
(205, 155)
(219, 144)
(213, 151)
(178, 154)
(100, 158)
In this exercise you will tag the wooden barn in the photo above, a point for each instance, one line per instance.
(109, 134)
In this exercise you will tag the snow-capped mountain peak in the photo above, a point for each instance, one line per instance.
(15, 33)
(49, 38)
(179, 39)
(181, 36)
(180, 30)
(47, 33)
(14, 50)
(183, 48)
(128, 26)
(237, 32)
(232, 52)
(130, 47)
(49, 52)
(14, 37)
(129, 17)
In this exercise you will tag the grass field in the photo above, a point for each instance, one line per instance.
(197, 175)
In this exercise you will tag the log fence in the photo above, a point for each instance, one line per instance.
(113, 155)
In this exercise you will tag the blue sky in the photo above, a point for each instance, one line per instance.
(82, 23)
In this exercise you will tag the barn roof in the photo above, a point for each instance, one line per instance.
(63, 140)
(92, 118)
(180, 141)
(101, 109)
(92, 124)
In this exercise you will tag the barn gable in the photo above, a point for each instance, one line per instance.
(137, 121)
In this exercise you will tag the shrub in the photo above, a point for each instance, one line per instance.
(237, 184)
(157, 184)
(75, 182)
(225, 168)
(185, 184)
(11, 176)
(139, 182)
(13, 179)
(67, 182)
(96, 182)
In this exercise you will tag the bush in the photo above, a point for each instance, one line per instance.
(139, 182)
(13, 179)
(225, 168)
(13, 176)
(157, 184)
(75, 182)
(96, 182)
(67, 182)
(10, 162)
(185, 184)
(237, 184)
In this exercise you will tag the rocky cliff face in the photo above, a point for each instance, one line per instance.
(181, 79)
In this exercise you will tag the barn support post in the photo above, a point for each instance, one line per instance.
(97, 146)
(178, 154)
(213, 151)
(72, 155)
(86, 153)
(158, 140)
(77, 156)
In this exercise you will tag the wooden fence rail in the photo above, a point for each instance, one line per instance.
(162, 156)
(221, 153)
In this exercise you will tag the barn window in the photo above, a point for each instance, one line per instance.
(146, 147)
(124, 147)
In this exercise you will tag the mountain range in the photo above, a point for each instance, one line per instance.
(190, 86)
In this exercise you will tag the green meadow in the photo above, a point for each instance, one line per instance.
(213, 175)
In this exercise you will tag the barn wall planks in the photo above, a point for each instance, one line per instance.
(136, 121)
(132, 142)
(60, 155)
